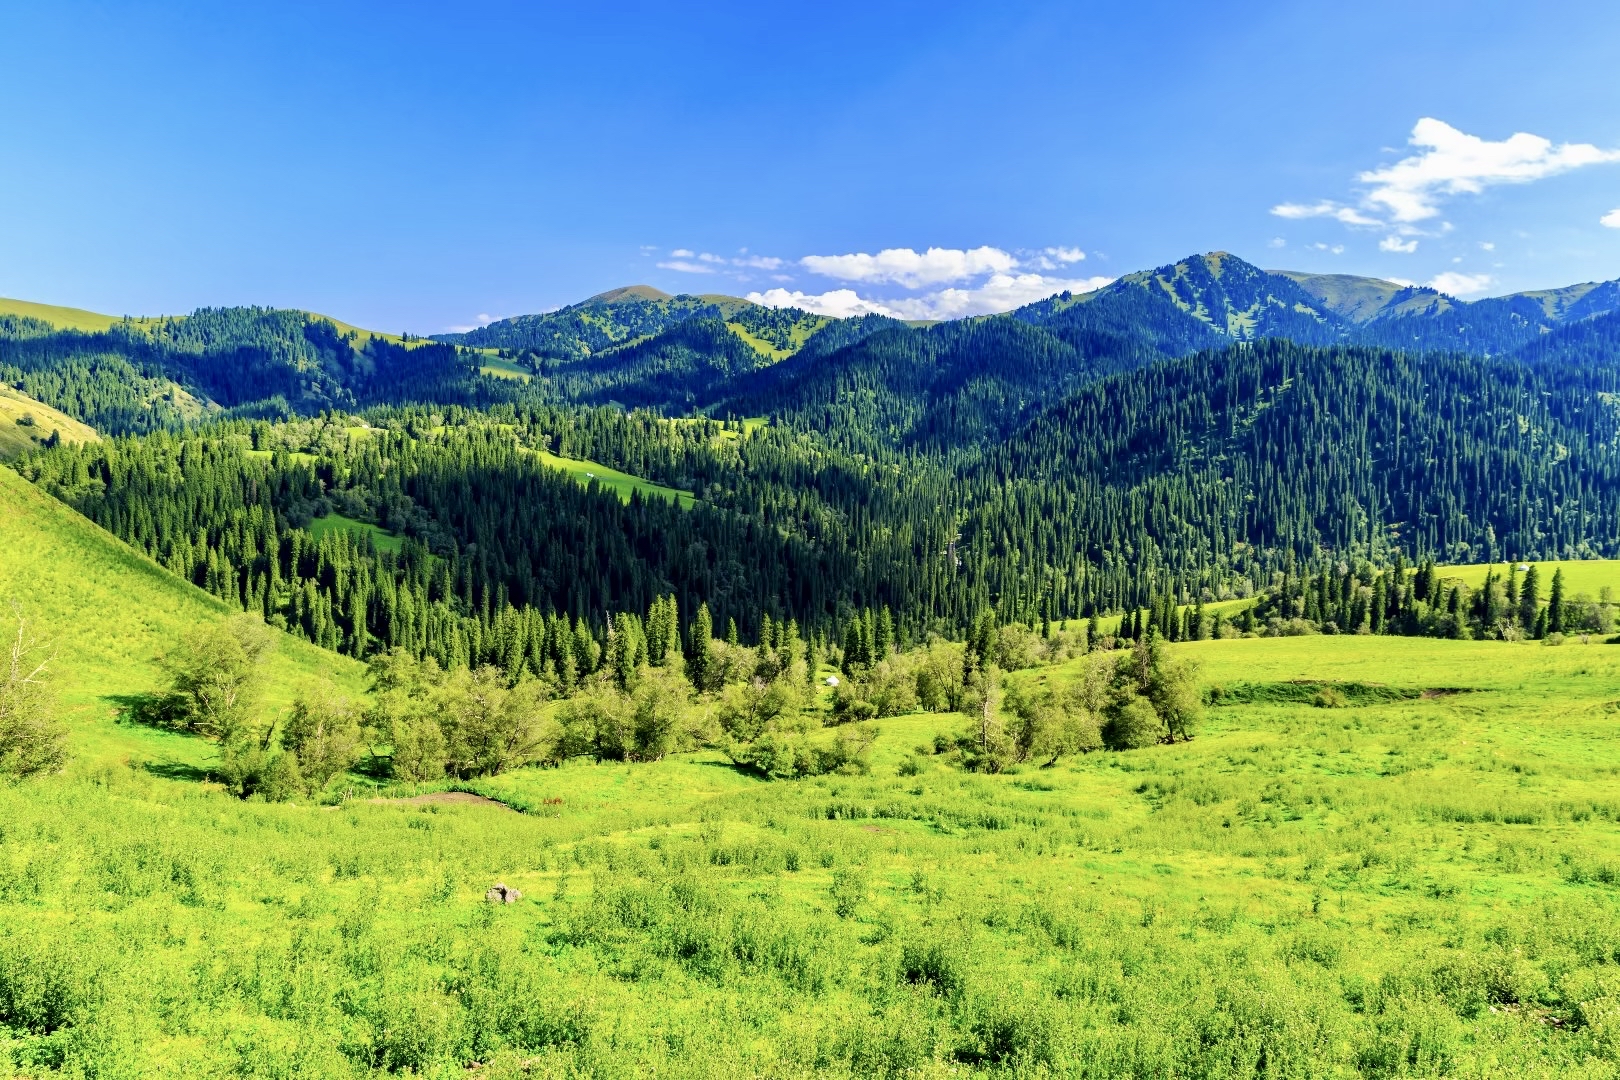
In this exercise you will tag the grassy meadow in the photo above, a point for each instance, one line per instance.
(25, 424)
(611, 479)
(381, 538)
(1422, 882)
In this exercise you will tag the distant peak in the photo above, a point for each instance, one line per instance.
(629, 292)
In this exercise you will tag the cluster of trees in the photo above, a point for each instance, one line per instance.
(1417, 602)
(660, 690)
(1120, 698)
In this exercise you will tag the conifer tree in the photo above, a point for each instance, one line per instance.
(1529, 601)
(1555, 603)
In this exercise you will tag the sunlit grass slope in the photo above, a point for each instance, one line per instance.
(381, 538)
(109, 612)
(66, 318)
(1589, 576)
(587, 472)
(16, 438)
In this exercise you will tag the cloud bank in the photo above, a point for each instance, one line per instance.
(1456, 284)
(1403, 198)
(977, 281)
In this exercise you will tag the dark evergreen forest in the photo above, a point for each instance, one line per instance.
(1081, 457)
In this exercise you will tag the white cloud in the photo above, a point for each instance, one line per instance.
(477, 321)
(685, 267)
(909, 268)
(998, 293)
(1065, 254)
(1459, 284)
(1277, 242)
(1611, 219)
(1337, 249)
(1486, 245)
(1405, 283)
(1455, 163)
(1346, 215)
(1395, 243)
(683, 253)
(708, 258)
(839, 303)
(759, 262)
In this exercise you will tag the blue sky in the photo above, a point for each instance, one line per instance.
(420, 167)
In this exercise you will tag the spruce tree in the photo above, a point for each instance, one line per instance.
(1555, 603)
(1529, 601)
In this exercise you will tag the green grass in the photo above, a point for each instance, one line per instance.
(17, 438)
(69, 318)
(108, 612)
(65, 318)
(494, 364)
(1589, 576)
(381, 538)
(610, 479)
(1420, 886)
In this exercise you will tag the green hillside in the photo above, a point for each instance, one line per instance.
(66, 318)
(26, 424)
(611, 479)
(108, 612)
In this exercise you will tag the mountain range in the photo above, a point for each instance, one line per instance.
(864, 382)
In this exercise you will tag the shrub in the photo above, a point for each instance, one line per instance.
(1133, 724)
(32, 740)
(932, 965)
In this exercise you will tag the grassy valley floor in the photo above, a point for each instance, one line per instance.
(1422, 885)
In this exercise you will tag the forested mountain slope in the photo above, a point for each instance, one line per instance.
(142, 376)
(1282, 447)
(1197, 476)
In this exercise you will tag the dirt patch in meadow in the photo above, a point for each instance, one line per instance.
(462, 797)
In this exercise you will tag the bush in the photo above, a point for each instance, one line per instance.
(930, 964)
(1133, 724)
(32, 740)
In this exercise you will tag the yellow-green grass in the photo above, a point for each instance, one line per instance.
(1588, 576)
(610, 479)
(1109, 624)
(300, 457)
(500, 367)
(71, 318)
(108, 612)
(1417, 887)
(381, 538)
(796, 338)
(17, 438)
(65, 318)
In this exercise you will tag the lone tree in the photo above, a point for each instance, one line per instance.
(214, 676)
(32, 740)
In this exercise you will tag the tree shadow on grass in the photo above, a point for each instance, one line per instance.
(148, 710)
(176, 770)
(753, 772)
